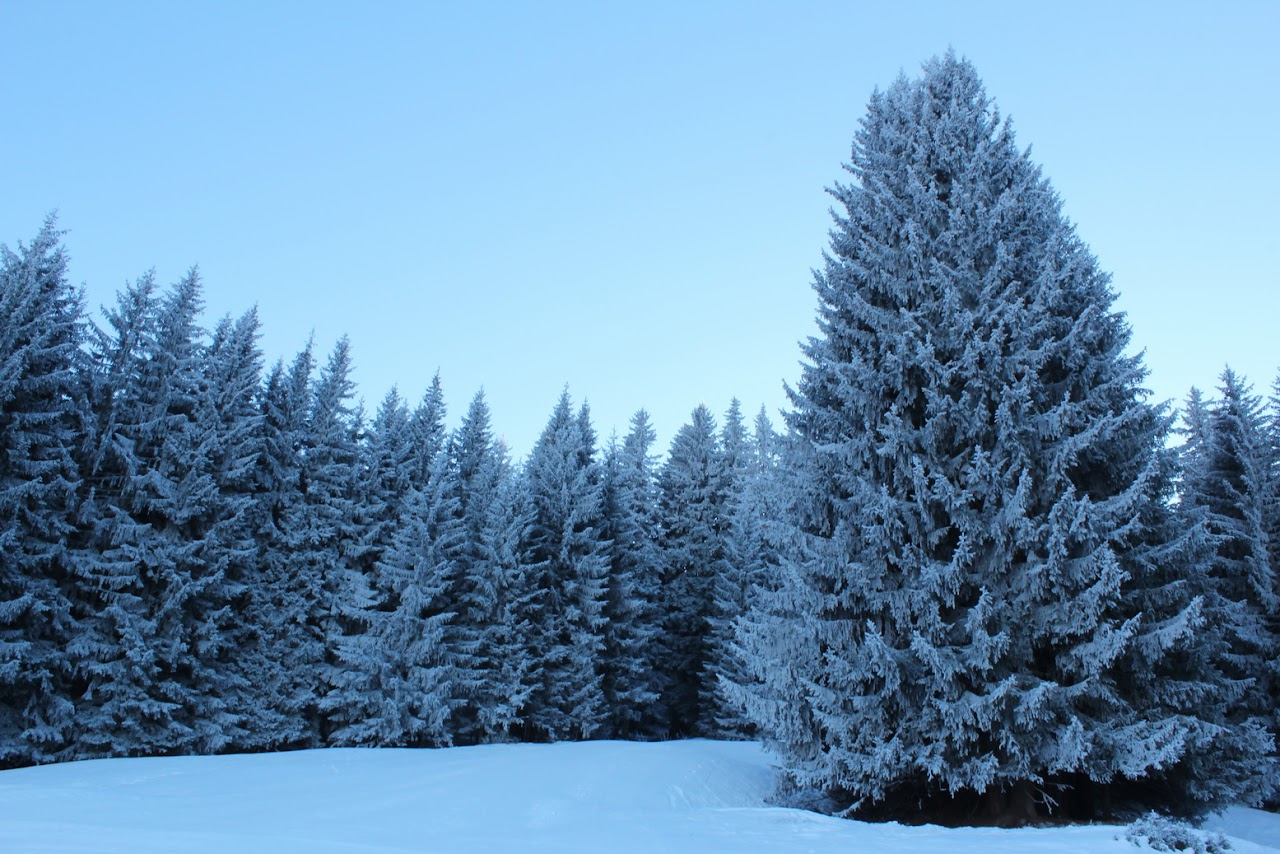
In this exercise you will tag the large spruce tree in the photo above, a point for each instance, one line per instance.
(566, 563)
(358, 706)
(402, 668)
(754, 555)
(41, 424)
(987, 590)
(695, 525)
(1224, 496)
(632, 635)
(486, 585)
(114, 654)
(284, 665)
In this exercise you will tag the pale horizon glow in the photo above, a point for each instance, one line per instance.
(624, 199)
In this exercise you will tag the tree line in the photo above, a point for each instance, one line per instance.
(201, 556)
(971, 578)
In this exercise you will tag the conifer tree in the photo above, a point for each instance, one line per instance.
(230, 442)
(388, 456)
(115, 654)
(734, 451)
(401, 668)
(566, 564)
(985, 589)
(1225, 494)
(41, 331)
(328, 525)
(168, 495)
(486, 586)
(1271, 519)
(429, 435)
(506, 687)
(358, 701)
(694, 532)
(283, 676)
(173, 446)
(753, 557)
(632, 637)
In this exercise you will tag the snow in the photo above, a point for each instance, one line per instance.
(1255, 825)
(688, 796)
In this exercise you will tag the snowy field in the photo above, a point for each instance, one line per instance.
(599, 797)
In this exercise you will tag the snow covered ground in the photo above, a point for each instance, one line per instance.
(599, 797)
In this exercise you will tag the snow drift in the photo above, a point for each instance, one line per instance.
(689, 796)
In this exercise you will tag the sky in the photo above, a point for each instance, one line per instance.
(626, 199)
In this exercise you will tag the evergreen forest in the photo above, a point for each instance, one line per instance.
(973, 574)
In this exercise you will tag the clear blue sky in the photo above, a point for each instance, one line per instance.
(624, 197)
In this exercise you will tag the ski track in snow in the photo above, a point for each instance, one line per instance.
(688, 796)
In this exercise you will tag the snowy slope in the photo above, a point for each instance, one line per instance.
(692, 796)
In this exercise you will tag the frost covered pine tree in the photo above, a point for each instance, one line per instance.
(1224, 496)
(765, 688)
(734, 450)
(41, 424)
(982, 497)
(170, 494)
(329, 526)
(430, 437)
(401, 671)
(753, 557)
(1272, 521)
(284, 673)
(154, 500)
(229, 444)
(115, 653)
(387, 462)
(358, 704)
(632, 635)
(566, 564)
(695, 522)
(168, 471)
(486, 585)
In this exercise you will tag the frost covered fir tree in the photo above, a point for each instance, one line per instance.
(387, 458)
(695, 524)
(115, 653)
(285, 667)
(982, 495)
(753, 557)
(41, 423)
(304, 515)
(357, 706)
(632, 636)
(1224, 495)
(169, 545)
(329, 525)
(1226, 485)
(1271, 519)
(566, 564)
(394, 685)
(486, 585)
(229, 443)
(734, 451)
(158, 579)
(429, 435)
